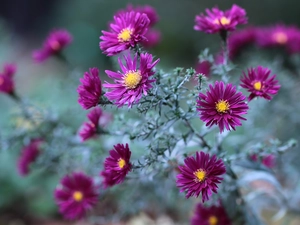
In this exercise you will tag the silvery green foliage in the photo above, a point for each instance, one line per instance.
(164, 128)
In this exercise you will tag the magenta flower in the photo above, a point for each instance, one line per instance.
(279, 36)
(223, 106)
(97, 120)
(269, 161)
(203, 68)
(259, 84)
(76, 195)
(147, 9)
(108, 179)
(153, 38)
(90, 89)
(117, 165)
(54, 44)
(217, 20)
(238, 40)
(200, 174)
(133, 81)
(7, 84)
(213, 215)
(28, 155)
(128, 29)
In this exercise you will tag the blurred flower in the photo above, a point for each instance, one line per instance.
(223, 106)
(117, 165)
(278, 35)
(96, 118)
(200, 174)
(203, 68)
(213, 215)
(76, 195)
(240, 39)
(147, 9)
(269, 161)
(28, 155)
(259, 84)
(217, 20)
(153, 38)
(253, 157)
(54, 44)
(90, 89)
(128, 29)
(130, 85)
(7, 84)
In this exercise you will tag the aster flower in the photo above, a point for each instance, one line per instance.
(133, 81)
(90, 89)
(238, 40)
(76, 195)
(279, 36)
(28, 155)
(117, 165)
(203, 68)
(200, 174)
(223, 106)
(56, 41)
(153, 38)
(7, 84)
(127, 30)
(213, 215)
(217, 20)
(97, 120)
(259, 83)
(147, 9)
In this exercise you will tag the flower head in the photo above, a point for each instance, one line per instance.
(203, 68)
(128, 29)
(54, 44)
(133, 81)
(153, 38)
(90, 89)
(279, 36)
(222, 105)
(117, 165)
(76, 195)
(97, 120)
(213, 215)
(240, 39)
(200, 174)
(28, 155)
(259, 83)
(7, 84)
(217, 20)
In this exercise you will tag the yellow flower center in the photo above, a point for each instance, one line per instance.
(125, 35)
(121, 163)
(257, 85)
(222, 106)
(1, 80)
(280, 38)
(55, 45)
(132, 79)
(222, 21)
(200, 175)
(78, 196)
(212, 220)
